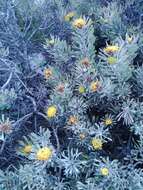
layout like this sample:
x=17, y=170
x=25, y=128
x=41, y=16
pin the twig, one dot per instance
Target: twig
x=23, y=84
x=43, y=115
x=35, y=110
x=33, y=102
x=7, y=82
x=22, y=119
x=2, y=146
x=57, y=139
x=54, y=131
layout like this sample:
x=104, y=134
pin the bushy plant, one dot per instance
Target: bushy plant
x=71, y=94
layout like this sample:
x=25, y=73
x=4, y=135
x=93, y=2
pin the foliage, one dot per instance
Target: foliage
x=71, y=94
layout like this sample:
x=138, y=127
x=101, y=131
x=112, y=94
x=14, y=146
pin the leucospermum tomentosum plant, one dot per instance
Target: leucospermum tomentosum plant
x=70, y=95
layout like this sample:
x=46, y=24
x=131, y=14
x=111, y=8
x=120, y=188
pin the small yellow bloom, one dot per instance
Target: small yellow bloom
x=129, y=39
x=44, y=154
x=5, y=127
x=51, y=111
x=97, y=143
x=47, y=73
x=79, y=23
x=81, y=89
x=108, y=121
x=82, y=136
x=112, y=60
x=85, y=62
x=51, y=42
x=111, y=49
x=94, y=86
x=27, y=149
x=104, y=171
x=60, y=88
x=72, y=120
x=48, y=42
x=69, y=16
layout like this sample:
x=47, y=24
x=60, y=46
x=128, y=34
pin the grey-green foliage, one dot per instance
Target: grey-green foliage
x=88, y=186
x=60, y=51
x=124, y=180
x=84, y=8
x=84, y=43
x=119, y=73
x=9, y=181
x=71, y=163
x=32, y=178
x=111, y=20
x=7, y=97
x=84, y=40
x=75, y=164
x=138, y=81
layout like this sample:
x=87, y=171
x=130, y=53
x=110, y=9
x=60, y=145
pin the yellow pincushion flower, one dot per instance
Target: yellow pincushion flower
x=108, y=121
x=60, y=88
x=79, y=23
x=48, y=42
x=82, y=136
x=72, y=120
x=112, y=60
x=44, y=154
x=69, y=16
x=27, y=149
x=51, y=111
x=111, y=49
x=96, y=143
x=85, y=62
x=104, y=171
x=47, y=73
x=130, y=39
x=81, y=89
x=94, y=86
x=51, y=42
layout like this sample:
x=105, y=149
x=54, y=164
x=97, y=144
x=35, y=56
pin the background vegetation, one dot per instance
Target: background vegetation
x=71, y=89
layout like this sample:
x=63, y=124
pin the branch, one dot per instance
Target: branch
x=7, y=82
x=54, y=130
x=23, y=84
x=22, y=119
x=33, y=102
x=57, y=139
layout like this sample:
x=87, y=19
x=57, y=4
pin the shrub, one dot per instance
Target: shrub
x=71, y=95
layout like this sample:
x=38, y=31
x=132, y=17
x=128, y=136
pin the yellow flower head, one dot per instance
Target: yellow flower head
x=108, y=121
x=79, y=23
x=130, y=39
x=27, y=149
x=5, y=128
x=82, y=136
x=97, y=143
x=44, y=154
x=72, y=120
x=47, y=73
x=60, y=88
x=81, y=89
x=85, y=62
x=94, y=86
x=5, y=125
x=111, y=49
x=48, y=42
x=51, y=111
x=51, y=42
x=104, y=171
x=112, y=60
x=69, y=16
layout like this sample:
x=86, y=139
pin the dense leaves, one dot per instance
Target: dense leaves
x=71, y=87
